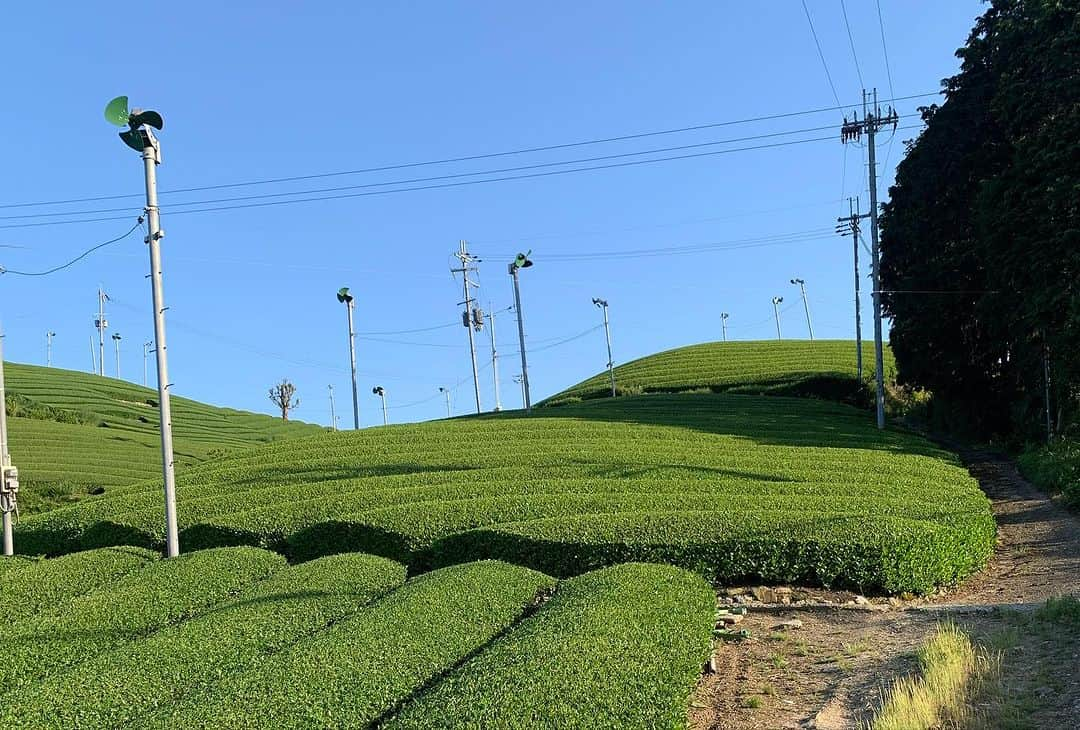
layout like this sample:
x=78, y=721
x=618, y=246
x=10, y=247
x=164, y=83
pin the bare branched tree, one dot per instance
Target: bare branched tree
x=282, y=396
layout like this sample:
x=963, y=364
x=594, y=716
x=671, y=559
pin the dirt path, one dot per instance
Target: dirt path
x=826, y=670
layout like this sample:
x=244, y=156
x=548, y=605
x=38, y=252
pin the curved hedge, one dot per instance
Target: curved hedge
x=428, y=494
x=781, y=367
x=618, y=648
x=164, y=592
x=129, y=684
x=361, y=668
x=48, y=585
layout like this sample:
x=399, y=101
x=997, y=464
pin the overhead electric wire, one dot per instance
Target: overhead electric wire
x=820, y=54
x=170, y=208
x=549, y=173
x=888, y=73
x=851, y=41
x=75, y=260
x=464, y=158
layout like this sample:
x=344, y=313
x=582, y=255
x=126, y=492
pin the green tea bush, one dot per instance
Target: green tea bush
x=360, y=669
x=50, y=584
x=890, y=554
x=164, y=592
x=131, y=683
x=821, y=368
x=618, y=648
x=409, y=492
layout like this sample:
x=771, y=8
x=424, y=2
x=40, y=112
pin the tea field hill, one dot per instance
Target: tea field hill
x=825, y=368
x=732, y=487
x=73, y=431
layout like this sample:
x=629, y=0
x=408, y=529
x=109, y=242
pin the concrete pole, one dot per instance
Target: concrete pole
x=723, y=324
x=463, y=254
x=385, y=420
x=806, y=307
x=145, y=353
x=333, y=412
x=446, y=392
x=116, y=343
x=858, y=303
x=101, y=331
x=610, y=361
x=879, y=357
x=521, y=339
x=352, y=363
x=153, y=240
x=776, y=313
x=48, y=348
x=5, y=459
x=494, y=358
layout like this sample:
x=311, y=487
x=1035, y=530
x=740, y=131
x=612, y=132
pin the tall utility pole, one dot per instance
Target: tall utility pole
x=101, y=323
x=446, y=392
x=346, y=298
x=145, y=353
x=9, y=475
x=472, y=317
x=850, y=224
x=381, y=392
x=116, y=343
x=806, y=306
x=494, y=358
x=872, y=122
x=333, y=411
x=140, y=137
x=48, y=347
x=521, y=262
x=723, y=324
x=602, y=303
x=776, y=302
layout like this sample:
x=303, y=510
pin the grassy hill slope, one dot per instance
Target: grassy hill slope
x=733, y=487
x=786, y=367
x=87, y=431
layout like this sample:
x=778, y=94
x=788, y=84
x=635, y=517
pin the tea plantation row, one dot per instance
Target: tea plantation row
x=735, y=488
x=233, y=637
x=71, y=431
x=784, y=366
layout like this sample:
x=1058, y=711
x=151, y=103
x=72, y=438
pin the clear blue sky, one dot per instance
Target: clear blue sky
x=264, y=90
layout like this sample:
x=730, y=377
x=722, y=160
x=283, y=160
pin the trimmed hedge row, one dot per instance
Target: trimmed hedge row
x=48, y=585
x=399, y=492
x=134, y=682
x=360, y=669
x=759, y=366
x=618, y=648
x=891, y=554
x=165, y=592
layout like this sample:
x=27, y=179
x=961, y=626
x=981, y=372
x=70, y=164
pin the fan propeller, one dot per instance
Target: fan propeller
x=135, y=137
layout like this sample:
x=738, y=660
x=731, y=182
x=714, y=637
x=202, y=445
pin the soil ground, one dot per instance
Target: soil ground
x=828, y=669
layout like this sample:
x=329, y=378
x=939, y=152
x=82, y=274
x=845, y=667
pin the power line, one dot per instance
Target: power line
x=820, y=54
x=775, y=239
x=851, y=41
x=77, y=259
x=466, y=158
x=888, y=73
x=452, y=176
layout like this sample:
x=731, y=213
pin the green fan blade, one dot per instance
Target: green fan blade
x=116, y=112
x=343, y=294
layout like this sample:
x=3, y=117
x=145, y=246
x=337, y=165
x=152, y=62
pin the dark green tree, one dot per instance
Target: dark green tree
x=981, y=235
